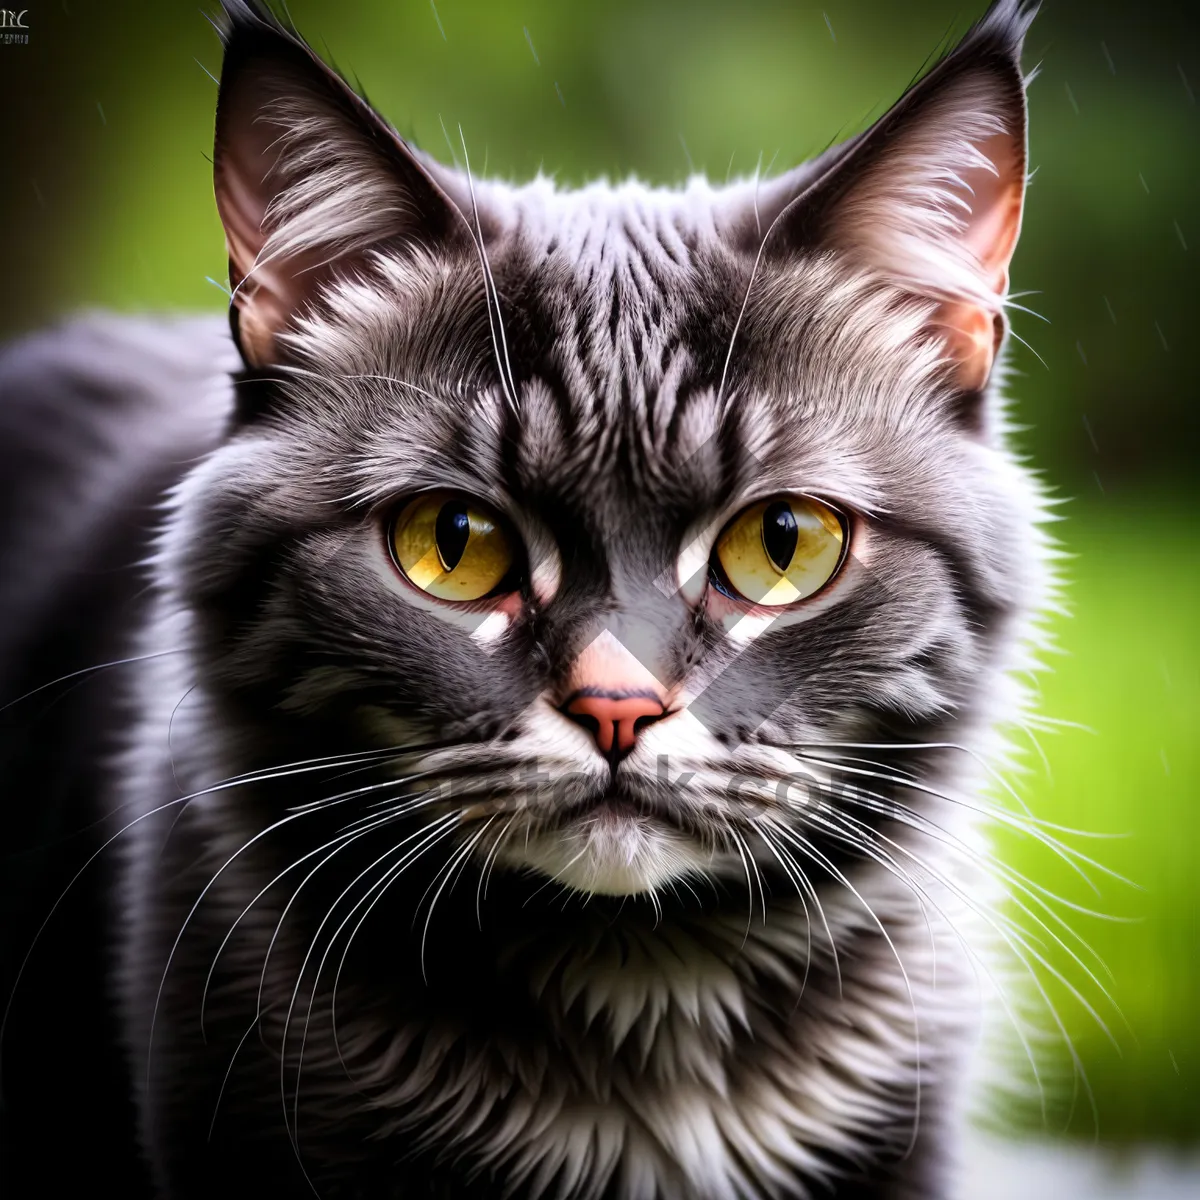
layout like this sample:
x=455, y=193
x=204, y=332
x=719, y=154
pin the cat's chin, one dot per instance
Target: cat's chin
x=610, y=852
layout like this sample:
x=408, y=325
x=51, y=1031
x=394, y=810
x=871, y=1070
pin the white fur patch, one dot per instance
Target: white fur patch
x=611, y=854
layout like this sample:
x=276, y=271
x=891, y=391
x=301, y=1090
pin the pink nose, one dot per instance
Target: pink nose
x=615, y=718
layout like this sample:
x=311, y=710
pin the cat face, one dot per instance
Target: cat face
x=646, y=506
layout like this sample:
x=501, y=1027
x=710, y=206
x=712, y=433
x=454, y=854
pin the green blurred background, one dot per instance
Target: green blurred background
x=107, y=201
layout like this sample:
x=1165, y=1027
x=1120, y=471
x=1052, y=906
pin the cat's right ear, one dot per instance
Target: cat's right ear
x=930, y=197
x=308, y=180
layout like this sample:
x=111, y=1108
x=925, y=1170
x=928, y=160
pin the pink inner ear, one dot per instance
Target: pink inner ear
x=246, y=181
x=269, y=293
x=243, y=196
x=972, y=334
x=995, y=219
x=259, y=297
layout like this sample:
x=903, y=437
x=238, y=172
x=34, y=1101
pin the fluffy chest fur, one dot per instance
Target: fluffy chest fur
x=678, y=1061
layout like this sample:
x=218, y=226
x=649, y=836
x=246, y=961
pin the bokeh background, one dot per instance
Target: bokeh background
x=107, y=201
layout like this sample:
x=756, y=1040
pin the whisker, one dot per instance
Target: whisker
x=656, y=904
x=463, y=853
x=740, y=845
x=1020, y=944
x=489, y=286
x=381, y=884
x=805, y=847
x=229, y=1071
x=383, y=819
x=753, y=275
x=299, y=767
x=63, y=895
x=488, y=789
x=1012, y=899
x=896, y=810
x=889, y=864
x=171, y=751
x=980, y=761
x=799, y=747
x=104, y=666
x=994, y=866
x=342, y=837
x=1067, y=853
x=796, y=875
x=400, y=382
x=485, y=871
x=682, y=882
x=192, y=912
x=441, y=827
x=556, y=876
x=827, y=824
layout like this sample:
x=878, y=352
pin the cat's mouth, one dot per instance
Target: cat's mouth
x=611, y=843
x=612, y=805
x=615, y=805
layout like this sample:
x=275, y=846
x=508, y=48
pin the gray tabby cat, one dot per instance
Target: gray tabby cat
x=549, y=756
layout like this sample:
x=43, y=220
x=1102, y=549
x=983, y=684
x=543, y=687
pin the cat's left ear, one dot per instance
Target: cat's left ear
x=309, y=180
x=931, y=196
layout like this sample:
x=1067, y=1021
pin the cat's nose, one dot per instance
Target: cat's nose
x=613, y=694
x=614, y=718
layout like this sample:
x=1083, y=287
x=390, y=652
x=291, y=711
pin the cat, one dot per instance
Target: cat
x=530, y=685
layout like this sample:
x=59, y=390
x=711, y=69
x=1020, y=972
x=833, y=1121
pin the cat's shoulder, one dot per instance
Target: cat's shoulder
x=99, y=414
x=98, y=399
x=98, y=367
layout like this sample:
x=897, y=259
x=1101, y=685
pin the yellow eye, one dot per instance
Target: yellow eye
x=451, y=546
x=779, y=551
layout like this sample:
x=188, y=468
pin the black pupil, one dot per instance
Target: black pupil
x=779, y=533
x=452, y=529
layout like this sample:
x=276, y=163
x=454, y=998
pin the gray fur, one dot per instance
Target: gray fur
x=789, y=1003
